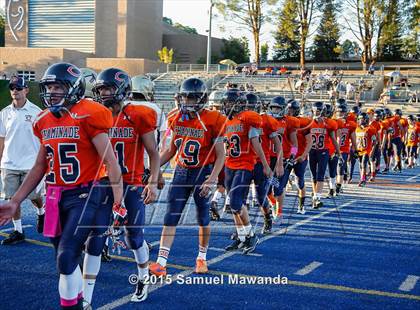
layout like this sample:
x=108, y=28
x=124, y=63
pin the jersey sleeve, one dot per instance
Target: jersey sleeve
x=99, y=120
x=293, y=123
x=331, y=125
x=219, y=128
x=145, y=119
x=251, y=119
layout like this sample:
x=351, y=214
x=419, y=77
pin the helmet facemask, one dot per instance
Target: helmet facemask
x=277, y=111
x=190, y=102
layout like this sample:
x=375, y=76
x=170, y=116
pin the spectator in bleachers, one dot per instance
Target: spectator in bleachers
x=268, y=70
x=371, y=69
x=241, y=88
x=283, y=70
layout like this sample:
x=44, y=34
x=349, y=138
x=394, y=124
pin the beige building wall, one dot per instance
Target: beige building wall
x=133, y=66
x=16, y=28
x=189, y=48
x=37, y=59
x=106, y=21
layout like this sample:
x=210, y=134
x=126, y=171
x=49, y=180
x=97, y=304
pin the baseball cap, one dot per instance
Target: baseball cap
x=17, y=82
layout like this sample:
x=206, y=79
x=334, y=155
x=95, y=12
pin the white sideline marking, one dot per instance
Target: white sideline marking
x=409, y=283
x=308, y=269
x=413, y=177
x=223, y=250
x=12, y=228
x=126, y=299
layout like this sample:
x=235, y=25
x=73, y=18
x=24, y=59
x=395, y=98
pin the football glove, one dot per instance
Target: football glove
x=120, y=214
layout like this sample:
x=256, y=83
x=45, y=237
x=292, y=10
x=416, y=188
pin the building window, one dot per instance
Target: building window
x=27, y=75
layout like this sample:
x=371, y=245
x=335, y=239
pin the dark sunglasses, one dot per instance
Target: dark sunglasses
x=16, y=87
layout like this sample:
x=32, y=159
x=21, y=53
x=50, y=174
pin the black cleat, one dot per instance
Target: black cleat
x=331, y=193
x=14, y=238
x=250, y=244
x=268, y=226
x=338, y=189
x=40, y=223
x=386, y=170
x=235, y=245
x=150, y=246
x=141, y=292
x=105, y=257
x=214, y=214
x=362, y=183
x=316, y=204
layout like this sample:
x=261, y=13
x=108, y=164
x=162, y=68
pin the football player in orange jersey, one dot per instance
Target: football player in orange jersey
x=365, y=144
x=74, y=147
x=387, y=128
x=397, y=144
x=197, y=144
x=375, y=122
x=352, y=116
x=269, y=137
x=321, y=127
x=333, y=158
x=304, y=146
x=345, y=135
x=413, y=140
x=242, y=133
x=132, y=132
x=288, y=126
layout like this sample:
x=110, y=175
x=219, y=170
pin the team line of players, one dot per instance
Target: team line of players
x=95, y=175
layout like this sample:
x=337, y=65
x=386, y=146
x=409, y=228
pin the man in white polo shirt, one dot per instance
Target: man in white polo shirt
x=18, y=150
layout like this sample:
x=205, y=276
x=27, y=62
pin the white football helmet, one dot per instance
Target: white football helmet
x=143, y=85
x=90, y=80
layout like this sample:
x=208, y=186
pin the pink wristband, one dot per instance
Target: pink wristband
x=294, y=150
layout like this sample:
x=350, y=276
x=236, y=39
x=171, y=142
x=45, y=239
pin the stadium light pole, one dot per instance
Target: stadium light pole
x=209, y=36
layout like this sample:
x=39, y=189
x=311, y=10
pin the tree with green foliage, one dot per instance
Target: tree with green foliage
x=306, y=9
x=187, y=29
x=2, y=27
x=286, y=46
x=327, y=38
x=249, y=13
x=390, y=41
x=236, y=50
x=411, y=41
x=264, y=52
x=167, y=20
x=350, y=49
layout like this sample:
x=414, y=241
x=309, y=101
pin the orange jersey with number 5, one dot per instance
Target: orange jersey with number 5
x=71, y=156
x=194, y=138
x=125, y=135
x=238, y=133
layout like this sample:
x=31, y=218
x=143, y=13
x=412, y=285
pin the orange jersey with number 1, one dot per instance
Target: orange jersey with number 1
x=194, y=138
x=125, y=135
x=240, y=154
x=71, y=156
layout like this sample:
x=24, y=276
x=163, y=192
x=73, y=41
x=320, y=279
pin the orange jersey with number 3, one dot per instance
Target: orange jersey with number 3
x=125, y=135
x=344, y=135
x=238, y=130
x=71, y=155
x=194, y=138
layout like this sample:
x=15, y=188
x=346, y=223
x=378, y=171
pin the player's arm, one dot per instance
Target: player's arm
x=149, y=142
x=308, y=146
x=334, y=141
x=104, y=149
x=219, y=149
x=1, y=147
x=256, y=144
x=169, y=152
x=32, y=179
x=279, y=169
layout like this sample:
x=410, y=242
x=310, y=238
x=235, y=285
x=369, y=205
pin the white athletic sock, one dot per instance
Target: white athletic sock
x=163, y=256
x=331, y=183
x=18, y=225
x=91, y=266
x=202, y=252
x=40, y=211
x=142, y=256
x=241, y=233
x=68, y=287
x=216, y=196
x=249, y=230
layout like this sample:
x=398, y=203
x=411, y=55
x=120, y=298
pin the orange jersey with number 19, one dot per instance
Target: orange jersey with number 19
x=71, y=156
x=125, y=135
x=238, y=133
x=194, y=138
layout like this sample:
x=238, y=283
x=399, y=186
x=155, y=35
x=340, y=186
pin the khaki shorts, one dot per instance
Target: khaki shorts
x=12, y=179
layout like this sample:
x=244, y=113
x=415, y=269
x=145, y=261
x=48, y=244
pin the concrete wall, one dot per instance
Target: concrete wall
x=133, y=66
x=16, y=28
x=36, y=59
x=106, y=20
x=189, y=48
x=144, y=28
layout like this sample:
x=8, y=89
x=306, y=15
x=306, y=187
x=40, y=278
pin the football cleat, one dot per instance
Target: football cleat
x=386, y=170
x=214, y=214
x=316, y=204
x=268, y=226
x=40, y=223
x=141, y=292
x=235, y=245
x=301, y=210
x=157, y=269
x=201, y=266
x=105, y=257
x=338, y=189
x=150, y=246
x=362, y=183
x=250, y=244
x=331, y=194
x=14, y=238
